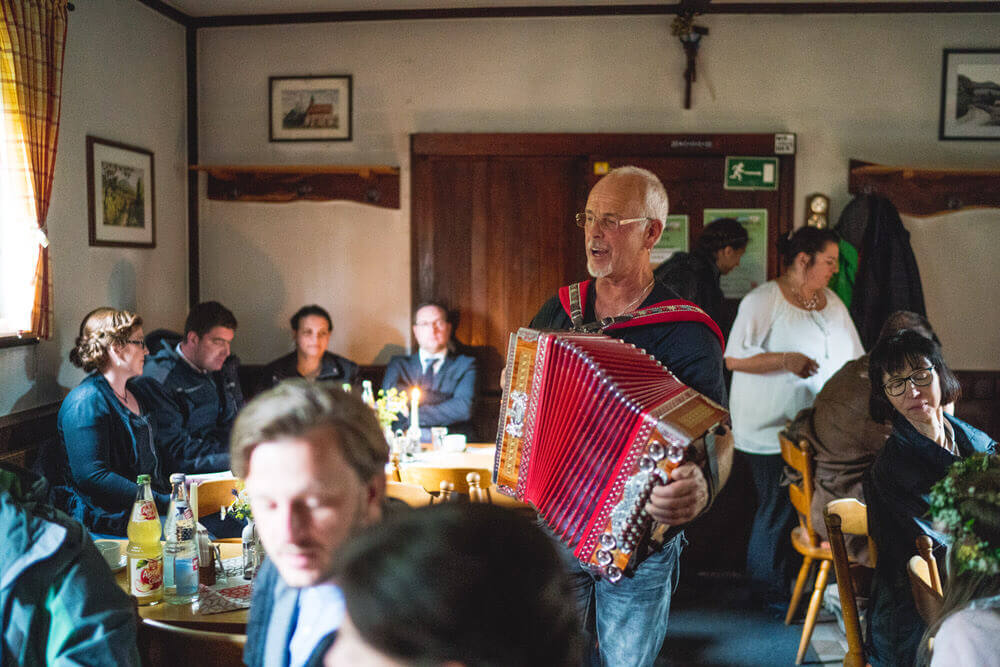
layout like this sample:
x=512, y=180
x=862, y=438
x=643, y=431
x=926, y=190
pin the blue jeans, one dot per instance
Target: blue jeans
x=630, y=617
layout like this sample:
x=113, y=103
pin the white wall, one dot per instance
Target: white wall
x=850, y=86
x=123, y=80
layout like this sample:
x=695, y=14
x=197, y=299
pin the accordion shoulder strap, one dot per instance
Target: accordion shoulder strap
x=574, y=298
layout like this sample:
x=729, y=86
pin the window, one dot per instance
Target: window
x=19, y=234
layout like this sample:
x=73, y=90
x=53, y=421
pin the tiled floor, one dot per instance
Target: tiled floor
x=829, y=642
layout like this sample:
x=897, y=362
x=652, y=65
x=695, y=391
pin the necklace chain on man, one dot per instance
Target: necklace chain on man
x=638, y=300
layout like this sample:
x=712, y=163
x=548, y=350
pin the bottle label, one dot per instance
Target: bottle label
x=186, y=575
x=146, y=510
x=145, y=576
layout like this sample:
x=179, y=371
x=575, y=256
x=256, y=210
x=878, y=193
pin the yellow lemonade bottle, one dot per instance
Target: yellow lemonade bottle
x=145, y=555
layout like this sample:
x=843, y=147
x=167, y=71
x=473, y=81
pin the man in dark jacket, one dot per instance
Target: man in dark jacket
x=59, y=603
x=447, y=380
x=695, y=276
x=200, y=392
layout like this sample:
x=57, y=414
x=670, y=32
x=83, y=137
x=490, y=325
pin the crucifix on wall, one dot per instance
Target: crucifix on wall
x=690, y=35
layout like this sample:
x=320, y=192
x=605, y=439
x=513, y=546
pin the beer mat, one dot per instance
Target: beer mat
x=211, y=601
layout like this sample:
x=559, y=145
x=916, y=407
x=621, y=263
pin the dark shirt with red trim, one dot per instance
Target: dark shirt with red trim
x=690, y=350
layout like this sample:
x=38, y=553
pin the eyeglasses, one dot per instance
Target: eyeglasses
x=140, y=342
x=607, y=223
x=918, y=378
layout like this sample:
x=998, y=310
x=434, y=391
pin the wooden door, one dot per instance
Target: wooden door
x=493, y=238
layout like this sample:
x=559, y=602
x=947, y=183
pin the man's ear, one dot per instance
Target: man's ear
x=374, y=497
x=190, y=338
x=652, y=234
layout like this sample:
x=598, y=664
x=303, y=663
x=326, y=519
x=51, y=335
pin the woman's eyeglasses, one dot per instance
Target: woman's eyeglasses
x=918, y=378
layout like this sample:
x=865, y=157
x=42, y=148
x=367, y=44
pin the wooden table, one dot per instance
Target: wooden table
x=183, y=614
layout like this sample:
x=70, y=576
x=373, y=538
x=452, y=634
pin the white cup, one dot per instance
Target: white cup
x=437, y=437
x=111, y=552
x=454, y=442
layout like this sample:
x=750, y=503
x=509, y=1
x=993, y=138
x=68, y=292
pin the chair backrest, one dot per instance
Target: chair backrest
x=925, y=549
x=431, y=478
x=211, y=495
x=847, y=515
x=413, y=495
x=799, y=458
x=925, y=582
x=169, y=645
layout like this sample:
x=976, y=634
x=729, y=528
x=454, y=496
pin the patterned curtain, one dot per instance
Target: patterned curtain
x=33, y=40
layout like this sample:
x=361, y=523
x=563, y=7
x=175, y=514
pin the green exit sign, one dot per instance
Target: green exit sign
x=751, y=173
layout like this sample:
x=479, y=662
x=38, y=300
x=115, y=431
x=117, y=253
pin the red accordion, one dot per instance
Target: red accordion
x=588, y=426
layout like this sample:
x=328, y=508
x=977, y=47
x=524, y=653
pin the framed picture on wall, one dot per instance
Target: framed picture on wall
x=310, y=108
x=970, y=95
x=120, y=194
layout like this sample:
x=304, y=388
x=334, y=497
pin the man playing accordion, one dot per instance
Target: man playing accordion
x=627, y=620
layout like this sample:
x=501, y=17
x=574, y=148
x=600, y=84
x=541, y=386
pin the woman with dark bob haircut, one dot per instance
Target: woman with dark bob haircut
x=458, y=585
x=910, y=384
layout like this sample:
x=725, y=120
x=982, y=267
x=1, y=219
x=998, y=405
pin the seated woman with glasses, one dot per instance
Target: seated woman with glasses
x=910, y=384
x=104, y=426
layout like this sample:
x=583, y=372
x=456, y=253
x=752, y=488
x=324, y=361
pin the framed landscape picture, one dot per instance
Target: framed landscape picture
x=310, y=108
x=120, y=194
x=970, y=95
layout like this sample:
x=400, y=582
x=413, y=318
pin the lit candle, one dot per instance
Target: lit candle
x=414, y=431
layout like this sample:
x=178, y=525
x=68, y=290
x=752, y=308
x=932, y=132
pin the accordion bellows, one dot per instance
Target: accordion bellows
x=588, y=426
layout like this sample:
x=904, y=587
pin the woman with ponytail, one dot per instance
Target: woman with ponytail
x=790, y=335
x=106, y=435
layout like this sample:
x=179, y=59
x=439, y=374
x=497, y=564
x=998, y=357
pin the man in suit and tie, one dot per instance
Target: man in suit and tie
x=447, y=380
x=313, y=457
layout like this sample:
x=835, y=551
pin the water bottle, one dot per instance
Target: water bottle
x=181, y=550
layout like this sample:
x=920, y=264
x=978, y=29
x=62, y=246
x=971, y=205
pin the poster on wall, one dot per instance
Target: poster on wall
x=752, y=270
x=120, y=194
x=970, y=95
x=310, y=108
x=674, y=239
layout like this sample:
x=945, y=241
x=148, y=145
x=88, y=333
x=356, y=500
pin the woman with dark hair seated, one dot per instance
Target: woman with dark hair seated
x=458, y=585
x=966, y=505
x=105, y=427
x=311, y=329
x=910, y=385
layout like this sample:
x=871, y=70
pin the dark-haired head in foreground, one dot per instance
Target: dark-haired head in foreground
x=455, y=584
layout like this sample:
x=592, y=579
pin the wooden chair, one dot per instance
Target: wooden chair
x=455, y=480
x=212, y=495
x=804, y=539
x=850, y=516
x=169, y=645
x=413, y=495
x=925, y=581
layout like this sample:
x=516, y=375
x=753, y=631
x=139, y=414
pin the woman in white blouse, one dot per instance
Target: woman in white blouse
x=789, y=337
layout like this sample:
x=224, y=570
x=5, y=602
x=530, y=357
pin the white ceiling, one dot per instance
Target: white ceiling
x=253, y=7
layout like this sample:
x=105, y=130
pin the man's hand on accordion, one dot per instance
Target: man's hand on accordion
x=682, y=499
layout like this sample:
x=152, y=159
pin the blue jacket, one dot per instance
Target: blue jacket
x=897, y=490
x=448, y=402
x=59, y=603
x=194, y=411
x=102, y=453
